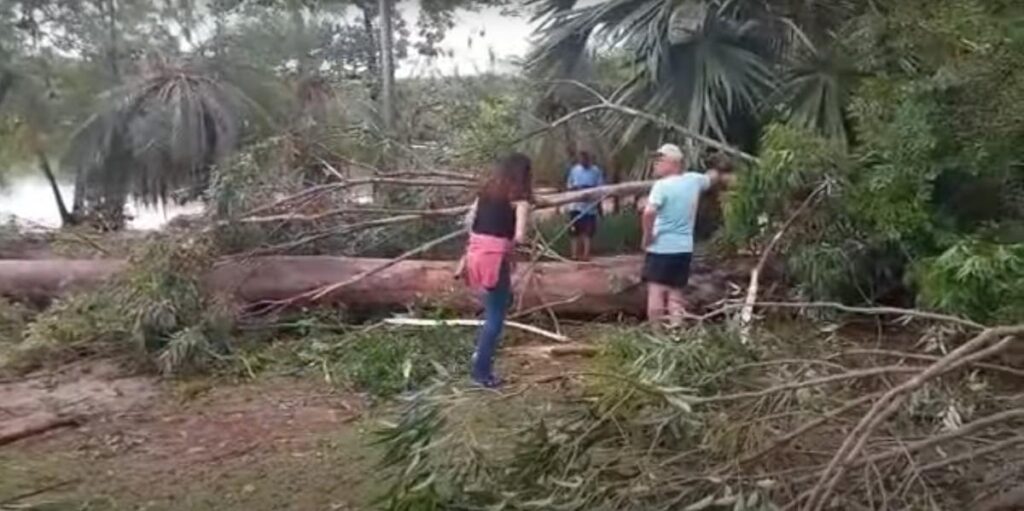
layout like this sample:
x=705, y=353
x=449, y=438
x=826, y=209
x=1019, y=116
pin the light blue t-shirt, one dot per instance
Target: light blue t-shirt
x=581, y=177
x=676, y=198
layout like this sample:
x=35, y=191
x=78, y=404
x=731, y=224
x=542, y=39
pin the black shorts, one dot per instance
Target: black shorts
x=582, y=225
x=672, y=270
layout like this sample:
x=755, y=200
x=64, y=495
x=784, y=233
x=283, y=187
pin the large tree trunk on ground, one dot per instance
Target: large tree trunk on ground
x=606, y=286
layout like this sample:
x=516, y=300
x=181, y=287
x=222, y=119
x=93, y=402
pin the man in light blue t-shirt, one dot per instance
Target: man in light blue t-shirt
x=668, y=224
x=583, y=215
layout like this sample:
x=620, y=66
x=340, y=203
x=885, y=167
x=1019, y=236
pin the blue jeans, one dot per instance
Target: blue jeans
x=496, y=303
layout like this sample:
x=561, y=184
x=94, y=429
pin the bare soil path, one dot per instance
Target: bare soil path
x=206, y=444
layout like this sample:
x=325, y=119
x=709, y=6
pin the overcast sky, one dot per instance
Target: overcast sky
x=475, y=36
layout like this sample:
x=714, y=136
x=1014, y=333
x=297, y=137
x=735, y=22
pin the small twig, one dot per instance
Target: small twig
x=931, y=358
x=962, y=431
x=851, y=375
x=475, y=322
x=874, y=311
x=973, y=454
x=546, y=306
x=38, y=491
x=38, y=429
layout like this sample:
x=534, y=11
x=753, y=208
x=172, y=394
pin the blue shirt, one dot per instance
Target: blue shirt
x=676, y=198
x=584, y=177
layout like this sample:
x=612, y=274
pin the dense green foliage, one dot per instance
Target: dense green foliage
x=923, y=193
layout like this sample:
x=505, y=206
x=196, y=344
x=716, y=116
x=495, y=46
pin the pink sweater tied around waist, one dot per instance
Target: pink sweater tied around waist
x=484, y=257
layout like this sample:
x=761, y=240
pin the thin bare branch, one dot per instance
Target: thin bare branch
x=605, y=104
x=747, y=312
x=870, y=311
x=931, y=358
x=851, y=375
x=889, y=404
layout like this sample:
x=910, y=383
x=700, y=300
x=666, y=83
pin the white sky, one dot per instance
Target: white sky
x=475, y=36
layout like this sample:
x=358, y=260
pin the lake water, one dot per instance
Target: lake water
x=28, y=199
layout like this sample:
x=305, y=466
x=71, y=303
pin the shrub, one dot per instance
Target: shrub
x=155, y=309
x=978, y=279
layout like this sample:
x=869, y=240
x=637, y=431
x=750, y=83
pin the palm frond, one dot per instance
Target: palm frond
x=815, y=91
x=158, y=134
x=705, y=70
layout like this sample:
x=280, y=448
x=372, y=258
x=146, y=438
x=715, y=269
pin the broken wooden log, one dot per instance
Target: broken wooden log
x=604, y=286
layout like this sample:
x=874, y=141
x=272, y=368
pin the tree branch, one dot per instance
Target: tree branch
x=872, y=311
x=747, y=312
x=605, y=104
x=890, y=402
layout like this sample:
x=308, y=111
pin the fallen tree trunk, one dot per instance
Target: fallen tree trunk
x=605, y=286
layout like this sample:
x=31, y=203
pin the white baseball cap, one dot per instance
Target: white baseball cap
x=670, y=151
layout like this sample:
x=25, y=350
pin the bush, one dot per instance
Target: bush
x=978, y=279
x=14, y=317
x=155, y=309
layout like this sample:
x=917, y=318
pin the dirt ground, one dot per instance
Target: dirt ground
x=142, y=443
x=204, y=444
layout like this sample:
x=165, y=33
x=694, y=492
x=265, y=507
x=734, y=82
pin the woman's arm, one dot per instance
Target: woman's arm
x=522, y=218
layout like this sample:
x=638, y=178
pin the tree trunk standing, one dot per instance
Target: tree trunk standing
x=80, y=203
x=387, y=68
x=66, y=218
x=112, y=51
x=297, y=40
x=6, y=84
x=372, y=47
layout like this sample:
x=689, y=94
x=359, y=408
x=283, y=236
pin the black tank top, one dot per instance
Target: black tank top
x=495, y=218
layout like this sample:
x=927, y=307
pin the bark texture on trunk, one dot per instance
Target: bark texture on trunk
x=605, y=286
x=387, y=67
x=66, y=218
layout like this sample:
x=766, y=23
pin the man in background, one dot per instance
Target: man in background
x=583, y=215
x=668, y=224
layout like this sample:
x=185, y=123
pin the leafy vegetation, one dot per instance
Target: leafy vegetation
x=886, y=138
x=694, y=422
x=155, y=311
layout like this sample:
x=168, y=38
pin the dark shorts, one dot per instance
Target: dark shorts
x=672, y=270
x=582, y=225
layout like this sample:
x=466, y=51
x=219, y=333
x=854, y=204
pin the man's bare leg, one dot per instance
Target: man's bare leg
x=585, y=248
x=676, y=307
x=657, y=304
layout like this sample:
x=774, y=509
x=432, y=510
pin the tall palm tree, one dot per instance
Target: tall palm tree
x=711, y=65
x=156, y=135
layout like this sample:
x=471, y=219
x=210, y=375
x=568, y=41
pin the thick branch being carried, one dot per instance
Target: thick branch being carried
x=540, y=202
